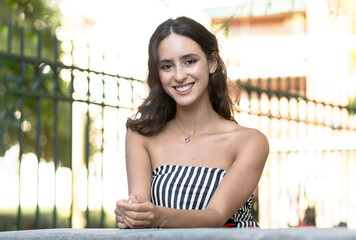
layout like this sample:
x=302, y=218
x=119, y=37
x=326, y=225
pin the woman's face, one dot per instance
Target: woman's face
x=184, y=69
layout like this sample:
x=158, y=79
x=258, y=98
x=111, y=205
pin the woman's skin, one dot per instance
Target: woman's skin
x=216, y=142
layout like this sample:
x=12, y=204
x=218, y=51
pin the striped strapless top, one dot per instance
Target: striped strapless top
x=191, y=188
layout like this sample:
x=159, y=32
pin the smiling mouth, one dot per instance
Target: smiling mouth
x=184, y=88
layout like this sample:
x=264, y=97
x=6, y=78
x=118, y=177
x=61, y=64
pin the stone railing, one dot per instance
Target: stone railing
x=307, y=233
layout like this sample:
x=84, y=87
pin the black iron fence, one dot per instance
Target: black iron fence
x=62, y=130
x=46, y=109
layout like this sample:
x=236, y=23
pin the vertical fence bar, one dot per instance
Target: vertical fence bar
x=20, y=133
x=38, y=118
x=102, y=215
x=3, y=89
x=87, y=152
x=70, y=91
x=55, y=129
x=87, y=143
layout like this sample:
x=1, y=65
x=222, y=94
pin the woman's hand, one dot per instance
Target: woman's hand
x=136, y=213
x=119, y=214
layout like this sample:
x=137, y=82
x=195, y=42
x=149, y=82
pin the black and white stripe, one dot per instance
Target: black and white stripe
x=184, y=187
x=191, y=188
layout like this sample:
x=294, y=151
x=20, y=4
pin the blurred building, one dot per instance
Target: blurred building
x=298, y=54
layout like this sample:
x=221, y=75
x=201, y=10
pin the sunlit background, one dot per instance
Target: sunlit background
x=312, y=164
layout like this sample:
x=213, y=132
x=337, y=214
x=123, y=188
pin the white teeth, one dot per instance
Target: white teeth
x=185, y=88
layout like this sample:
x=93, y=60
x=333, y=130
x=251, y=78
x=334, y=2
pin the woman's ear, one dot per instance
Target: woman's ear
x=213, y=62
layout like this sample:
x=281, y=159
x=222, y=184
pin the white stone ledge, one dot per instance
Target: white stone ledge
x=183, y=234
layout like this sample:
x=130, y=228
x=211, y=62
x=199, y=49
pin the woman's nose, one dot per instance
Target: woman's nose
x=180, y=74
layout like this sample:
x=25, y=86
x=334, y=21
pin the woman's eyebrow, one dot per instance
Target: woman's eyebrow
x=164, y=61
x=189, y=55
x=185, y=56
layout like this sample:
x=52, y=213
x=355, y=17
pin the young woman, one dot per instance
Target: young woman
x=189, y=164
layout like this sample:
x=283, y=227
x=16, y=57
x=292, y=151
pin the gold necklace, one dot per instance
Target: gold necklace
x=188, y=139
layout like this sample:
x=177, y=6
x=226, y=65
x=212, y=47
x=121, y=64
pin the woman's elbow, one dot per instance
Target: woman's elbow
x=216, y=218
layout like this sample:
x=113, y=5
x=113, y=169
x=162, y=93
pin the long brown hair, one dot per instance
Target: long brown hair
x=159, y=107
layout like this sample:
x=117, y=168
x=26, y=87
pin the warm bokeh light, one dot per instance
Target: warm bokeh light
x=310, y=164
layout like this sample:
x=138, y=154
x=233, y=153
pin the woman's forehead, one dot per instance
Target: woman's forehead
x=176, y=45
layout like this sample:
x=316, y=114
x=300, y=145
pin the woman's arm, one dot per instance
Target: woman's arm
x=244, y=174
x=233, y=191
x=138, y=165
x=138, y=168
x=143, y=214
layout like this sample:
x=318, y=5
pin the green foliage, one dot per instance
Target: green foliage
x=223, y=27
x=33, y=24
x=32, y=14
x=351, y=107
x=37, y=18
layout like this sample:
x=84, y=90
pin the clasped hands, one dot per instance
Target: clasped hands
x=136, y=212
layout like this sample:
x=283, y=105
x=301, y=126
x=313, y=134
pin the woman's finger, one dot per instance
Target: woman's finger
x=120, y=202
x=122, y=225
x=134, y=223
x=117, y=211
x=148, y=215
x=119, y=218
x=136, y=207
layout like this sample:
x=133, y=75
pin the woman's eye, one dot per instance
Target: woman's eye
x=189, y=61
x=166, y=66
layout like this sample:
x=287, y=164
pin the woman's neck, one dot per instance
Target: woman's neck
x=193, y=120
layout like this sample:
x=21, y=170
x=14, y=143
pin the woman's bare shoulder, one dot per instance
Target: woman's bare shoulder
x=244, y=136
x=250, y=132
x=252, y=141
x=145, y=140
x=235, y=128
x=135, y=138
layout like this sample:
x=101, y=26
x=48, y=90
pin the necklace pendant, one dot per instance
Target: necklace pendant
x=187, y=139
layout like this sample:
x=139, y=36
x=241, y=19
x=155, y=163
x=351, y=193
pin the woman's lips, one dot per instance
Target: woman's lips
x=184, y=88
